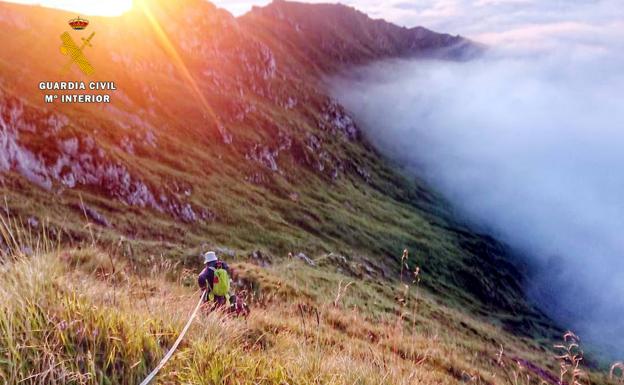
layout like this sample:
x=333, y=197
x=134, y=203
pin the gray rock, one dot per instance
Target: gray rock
x=94, y=215
x=32, y=222
x=369, y=270
x=225, y=251
x=338, y=257
x=261, y=259
x=306, y=259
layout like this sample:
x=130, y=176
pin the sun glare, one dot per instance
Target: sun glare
x=85, y=7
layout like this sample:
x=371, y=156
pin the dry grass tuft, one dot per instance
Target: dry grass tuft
x=18, y=240
x=570, y=356
x=617, y=372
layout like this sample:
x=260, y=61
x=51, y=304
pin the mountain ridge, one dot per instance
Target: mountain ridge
x=235, y=142
x=334, y=35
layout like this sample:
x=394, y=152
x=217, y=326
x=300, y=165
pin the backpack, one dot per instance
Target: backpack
x=220, y=281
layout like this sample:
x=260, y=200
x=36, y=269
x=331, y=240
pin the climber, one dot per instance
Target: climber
x=214, y=280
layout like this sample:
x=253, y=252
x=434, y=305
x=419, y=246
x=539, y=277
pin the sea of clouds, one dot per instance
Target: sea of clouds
x=527, y=140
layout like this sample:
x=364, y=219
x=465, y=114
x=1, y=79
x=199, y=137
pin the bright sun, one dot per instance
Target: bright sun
x=85, y=7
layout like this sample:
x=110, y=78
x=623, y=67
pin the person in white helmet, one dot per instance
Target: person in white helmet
x=208, y=279
x=214, y=280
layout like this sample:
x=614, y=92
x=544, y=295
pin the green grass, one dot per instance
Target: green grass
x=86, y=315
x=367, y=219
x=345, y=217
x=107, y=276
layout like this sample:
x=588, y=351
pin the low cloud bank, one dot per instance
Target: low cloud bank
x=528, y=141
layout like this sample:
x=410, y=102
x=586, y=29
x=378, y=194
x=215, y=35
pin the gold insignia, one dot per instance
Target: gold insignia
x=75, y=53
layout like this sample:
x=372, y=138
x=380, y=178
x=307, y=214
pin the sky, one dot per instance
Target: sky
x=526, y=141
x=85, y=7
x=488, y=21
x=478, y=19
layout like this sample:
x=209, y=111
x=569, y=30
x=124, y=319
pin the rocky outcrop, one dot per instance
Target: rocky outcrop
x=332, y=36
x=73, y=162
x=238, y=83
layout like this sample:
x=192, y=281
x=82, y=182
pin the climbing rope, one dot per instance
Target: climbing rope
x=167, y=356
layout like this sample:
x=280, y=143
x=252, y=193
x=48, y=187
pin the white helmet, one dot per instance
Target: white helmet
x=210, y=256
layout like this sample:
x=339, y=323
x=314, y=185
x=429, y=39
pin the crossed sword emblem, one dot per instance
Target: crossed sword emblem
x=71, y=49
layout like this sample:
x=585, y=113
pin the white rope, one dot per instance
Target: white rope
x=167, y=356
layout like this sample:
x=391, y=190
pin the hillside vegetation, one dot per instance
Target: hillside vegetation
x=87, y=316
x=222, y=135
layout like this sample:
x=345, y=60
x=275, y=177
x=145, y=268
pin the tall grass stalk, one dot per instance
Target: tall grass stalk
x=617, y=372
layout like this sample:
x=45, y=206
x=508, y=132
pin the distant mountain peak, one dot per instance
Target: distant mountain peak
x=334, y=35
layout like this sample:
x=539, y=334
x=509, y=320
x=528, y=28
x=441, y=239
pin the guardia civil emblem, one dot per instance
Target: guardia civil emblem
x=75, y=52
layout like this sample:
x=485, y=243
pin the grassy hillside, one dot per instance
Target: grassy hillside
x=86, y=316
x=221, y=135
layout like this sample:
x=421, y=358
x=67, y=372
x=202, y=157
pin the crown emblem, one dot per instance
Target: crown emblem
x=78, y=23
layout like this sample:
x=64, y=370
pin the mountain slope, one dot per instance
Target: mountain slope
x=328, y=37
x=221, y=133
